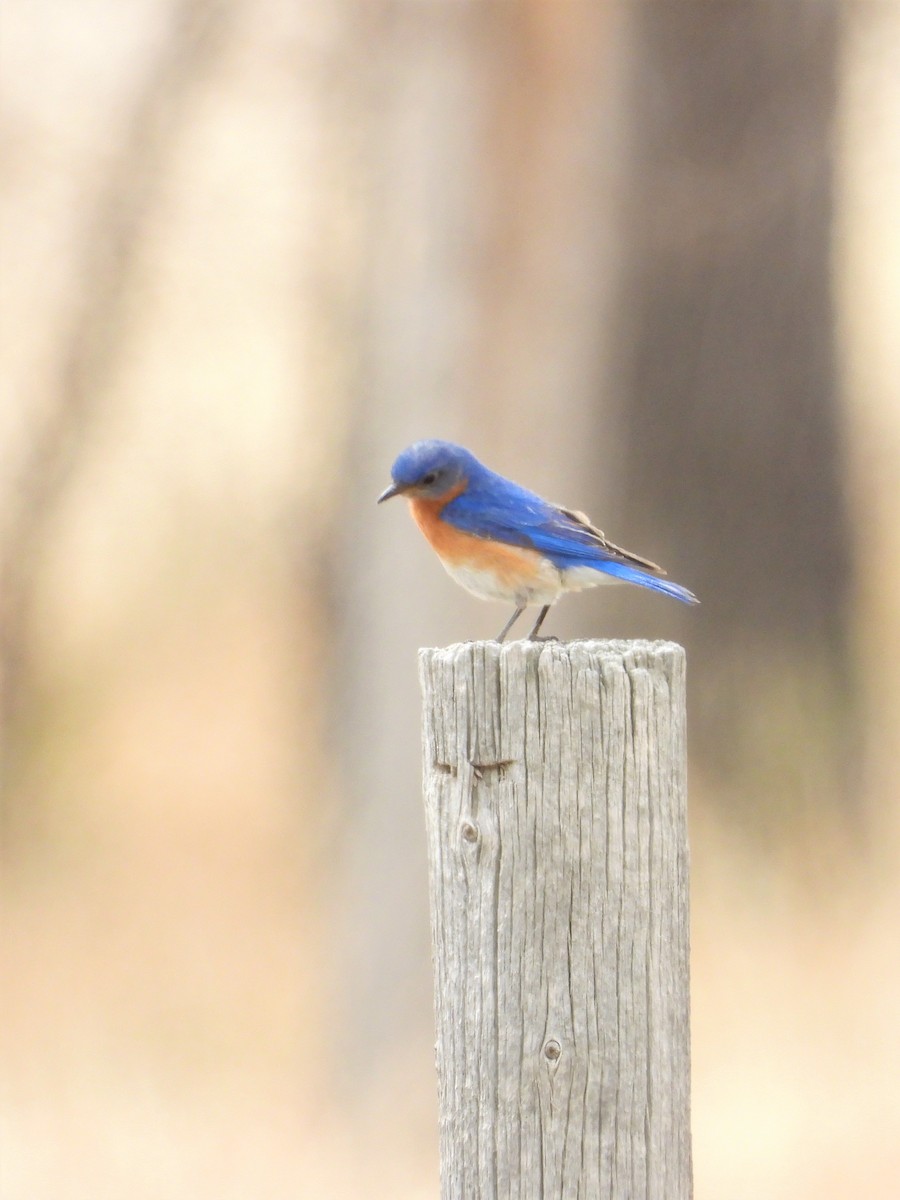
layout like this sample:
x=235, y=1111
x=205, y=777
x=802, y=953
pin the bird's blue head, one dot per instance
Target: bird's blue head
x=430, y=470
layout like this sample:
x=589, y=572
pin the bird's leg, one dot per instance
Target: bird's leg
x=509, y=624
x=533, y=637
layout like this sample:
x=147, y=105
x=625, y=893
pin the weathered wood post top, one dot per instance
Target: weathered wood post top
x=555, y=798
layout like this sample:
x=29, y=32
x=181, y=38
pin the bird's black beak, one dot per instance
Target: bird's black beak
x=394, y=490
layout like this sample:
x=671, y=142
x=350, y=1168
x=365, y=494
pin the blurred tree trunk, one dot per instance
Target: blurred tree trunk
x=92, y=343
x=488, y=208
x=867, y=271
x=730, y=388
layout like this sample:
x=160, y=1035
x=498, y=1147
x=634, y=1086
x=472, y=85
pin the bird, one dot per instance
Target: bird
x=503, y=542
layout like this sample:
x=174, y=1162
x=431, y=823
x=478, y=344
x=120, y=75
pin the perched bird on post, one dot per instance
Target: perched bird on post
x=502, y=542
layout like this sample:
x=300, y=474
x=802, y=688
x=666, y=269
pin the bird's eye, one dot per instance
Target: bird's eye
x=429, y=479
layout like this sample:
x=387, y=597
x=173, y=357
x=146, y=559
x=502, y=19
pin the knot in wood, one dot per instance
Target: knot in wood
x=552, y=1050
x=469, y=832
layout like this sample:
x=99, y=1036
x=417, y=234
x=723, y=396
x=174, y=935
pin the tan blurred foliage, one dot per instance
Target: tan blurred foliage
x=250, y=251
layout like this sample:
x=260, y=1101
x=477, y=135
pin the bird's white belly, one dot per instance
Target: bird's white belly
x=543, y=587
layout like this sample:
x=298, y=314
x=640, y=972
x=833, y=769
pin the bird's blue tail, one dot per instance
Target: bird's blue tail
x=633, y=575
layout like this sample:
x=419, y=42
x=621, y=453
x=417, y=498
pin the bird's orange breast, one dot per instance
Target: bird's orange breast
x=512, y=566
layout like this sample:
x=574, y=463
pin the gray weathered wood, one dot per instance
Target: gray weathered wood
x=556, y=812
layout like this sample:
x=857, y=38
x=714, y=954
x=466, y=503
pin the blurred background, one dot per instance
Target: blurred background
x=642, y=256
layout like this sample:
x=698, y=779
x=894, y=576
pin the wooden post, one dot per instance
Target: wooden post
x=556, y=812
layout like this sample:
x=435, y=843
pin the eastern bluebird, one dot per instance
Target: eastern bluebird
x=502, y=542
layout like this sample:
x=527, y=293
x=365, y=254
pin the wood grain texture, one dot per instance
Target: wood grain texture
x=555, y=797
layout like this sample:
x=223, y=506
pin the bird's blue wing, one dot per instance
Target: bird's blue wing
x=505, y=512
x=494, y=507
